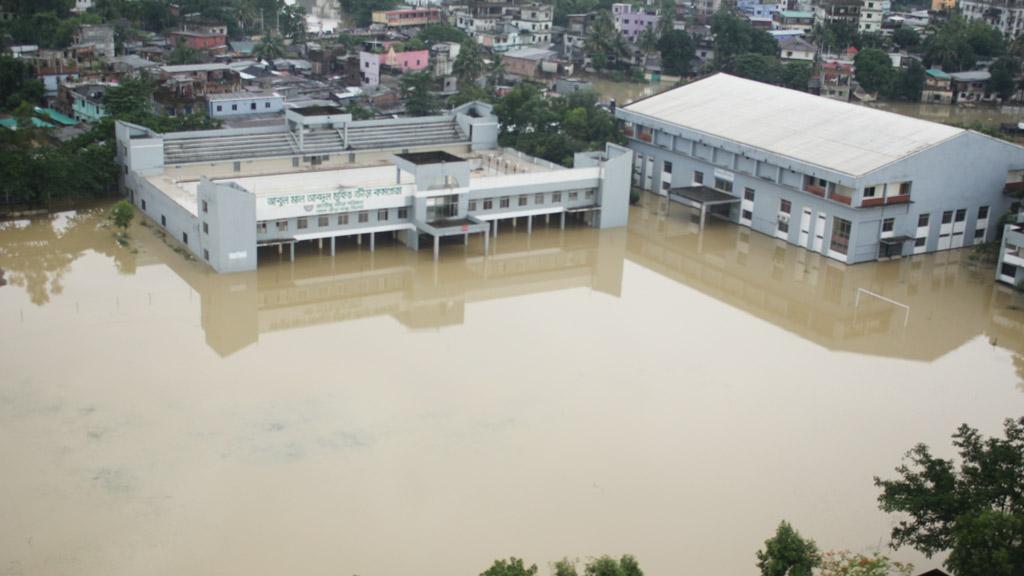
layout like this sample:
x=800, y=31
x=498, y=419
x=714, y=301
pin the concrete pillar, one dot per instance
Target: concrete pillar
x=702, y=208
x=563, y=220
x=280, y=248
x=292, y=256
x=495, y=228
x=547, y=219
x=437, y=247
x=333, y=238
x=465, y=239
x=487, y=242
x=320, y=244
x=373, y=241
x=359, y=239
x=529, y=225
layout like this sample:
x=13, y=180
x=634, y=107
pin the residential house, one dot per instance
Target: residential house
x=937, y=87
x=871, y=16
x=836, y=79
x=795, y=49
x=533, y=63
x=972, y=87
x=87, y=101
x=761, y=8
x=372, y=64
x=407, y=17
x=794, y=20
x=631, y=20
x=1007, y=16
x=831, y=11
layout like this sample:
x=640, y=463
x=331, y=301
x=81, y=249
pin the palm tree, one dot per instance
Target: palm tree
x=605, y=44
x=470, y=63
x=269, y=49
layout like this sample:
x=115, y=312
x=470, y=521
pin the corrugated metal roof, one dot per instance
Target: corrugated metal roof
x=843, y=137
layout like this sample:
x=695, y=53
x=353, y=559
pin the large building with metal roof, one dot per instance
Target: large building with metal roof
x=847, y=181
x=320, y=176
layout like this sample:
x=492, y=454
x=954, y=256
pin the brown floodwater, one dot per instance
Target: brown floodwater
x=650, y=390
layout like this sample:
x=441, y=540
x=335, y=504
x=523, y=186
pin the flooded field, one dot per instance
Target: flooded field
x=648, y=390
x=964, y=115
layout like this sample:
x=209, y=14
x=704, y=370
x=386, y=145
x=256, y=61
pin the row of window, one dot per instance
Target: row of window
x=234, y=107
x=325, y=221
x=506, y=201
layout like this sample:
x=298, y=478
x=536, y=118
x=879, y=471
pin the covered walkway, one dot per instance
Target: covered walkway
x=701, y=198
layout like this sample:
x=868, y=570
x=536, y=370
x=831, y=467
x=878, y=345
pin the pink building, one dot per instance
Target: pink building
x=370, y=64
x=632, y=20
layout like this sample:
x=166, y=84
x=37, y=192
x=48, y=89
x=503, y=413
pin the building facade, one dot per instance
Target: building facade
x=1007, y=16
x=632, y=20
x=407, y=18
x=244, y=104
x=321, y=176
x=1010, y=269
x=852, y=183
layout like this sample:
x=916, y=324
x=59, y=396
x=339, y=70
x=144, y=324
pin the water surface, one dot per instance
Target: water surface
x=649, y=390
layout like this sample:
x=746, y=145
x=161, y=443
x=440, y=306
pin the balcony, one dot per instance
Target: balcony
x=815, y=189
x=868, y=202
x=898, y=199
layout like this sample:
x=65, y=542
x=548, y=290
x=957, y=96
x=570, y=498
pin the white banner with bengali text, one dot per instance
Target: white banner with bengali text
x=282, y=206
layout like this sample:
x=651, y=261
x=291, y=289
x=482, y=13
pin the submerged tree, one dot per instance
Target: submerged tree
x=121, y=214
x=974, y=510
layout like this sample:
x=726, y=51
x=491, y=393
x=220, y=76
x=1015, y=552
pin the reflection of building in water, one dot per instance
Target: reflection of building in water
x=318, y=289
x=918, y=309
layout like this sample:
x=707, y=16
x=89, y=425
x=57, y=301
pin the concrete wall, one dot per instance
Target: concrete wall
x=245, y=106
x=613, y=194
x=227, y=217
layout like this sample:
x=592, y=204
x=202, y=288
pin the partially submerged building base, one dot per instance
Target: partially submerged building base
x=322, y=176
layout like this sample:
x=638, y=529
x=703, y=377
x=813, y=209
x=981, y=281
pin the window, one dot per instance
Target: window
x=869, y=192
x=922, y=221
x=364, y=217
x=295, y=162
x=184, y=238
x=538, y=199
x=488, y=204
x=783, y=226
x=1008, y=270
x=282, y=225
x=220, y=108
x=840, y=235
x=234, y=107
x=522, y=200
x=342, y=219
x=382, y=215
x=163, y=221
x=947, y=216
x=723, y=184
x=301, y=223
x=266, y=104
x=261, y=227
x=322, y=222
x=206, y=207
x=748, y=215
x=904, y=188
x=237, y=166
x=961, y=215
x=698, y=177
x=982, y=212
x=888, y=224
x=252, y=106
x=918, y=242
x=748, y=194
x=573, y=196
x=556, y=196
x=206, y=228
x=472, y=206
x=504, y=202
x=785, y=206
x=979, y=234
x=403, y=213
x=665, y=185
x=667, y=168
x=589, y=194
x=206, y=255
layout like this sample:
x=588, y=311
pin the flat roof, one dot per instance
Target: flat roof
x=318, y=110
x=703, y=195
x=835, y=135
x=430, y=157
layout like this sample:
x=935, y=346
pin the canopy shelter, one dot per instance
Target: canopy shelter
x=892, y=246
x=701, y=198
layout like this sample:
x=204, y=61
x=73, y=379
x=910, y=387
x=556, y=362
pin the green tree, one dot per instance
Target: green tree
x=360, y=12
x=605, y=45
x=677, y=51
x=757, y=67
x=358, y=111
x=735, y=36
x=1003, y=71
x=874, y=70
x=835, y=36
x=797, y=75
x=511, y=567
x=415, y=89
x=469, y=64
x=906, y=37
x=270, y=48
x=846, y=563
x=974, y=511
x=435, y=33
x=182, y=54
x=122, y=213
x=788, y=554
x=130, y=100
x=666, y=17
x=647, y=41
x=909, y=82
x=608, y=566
